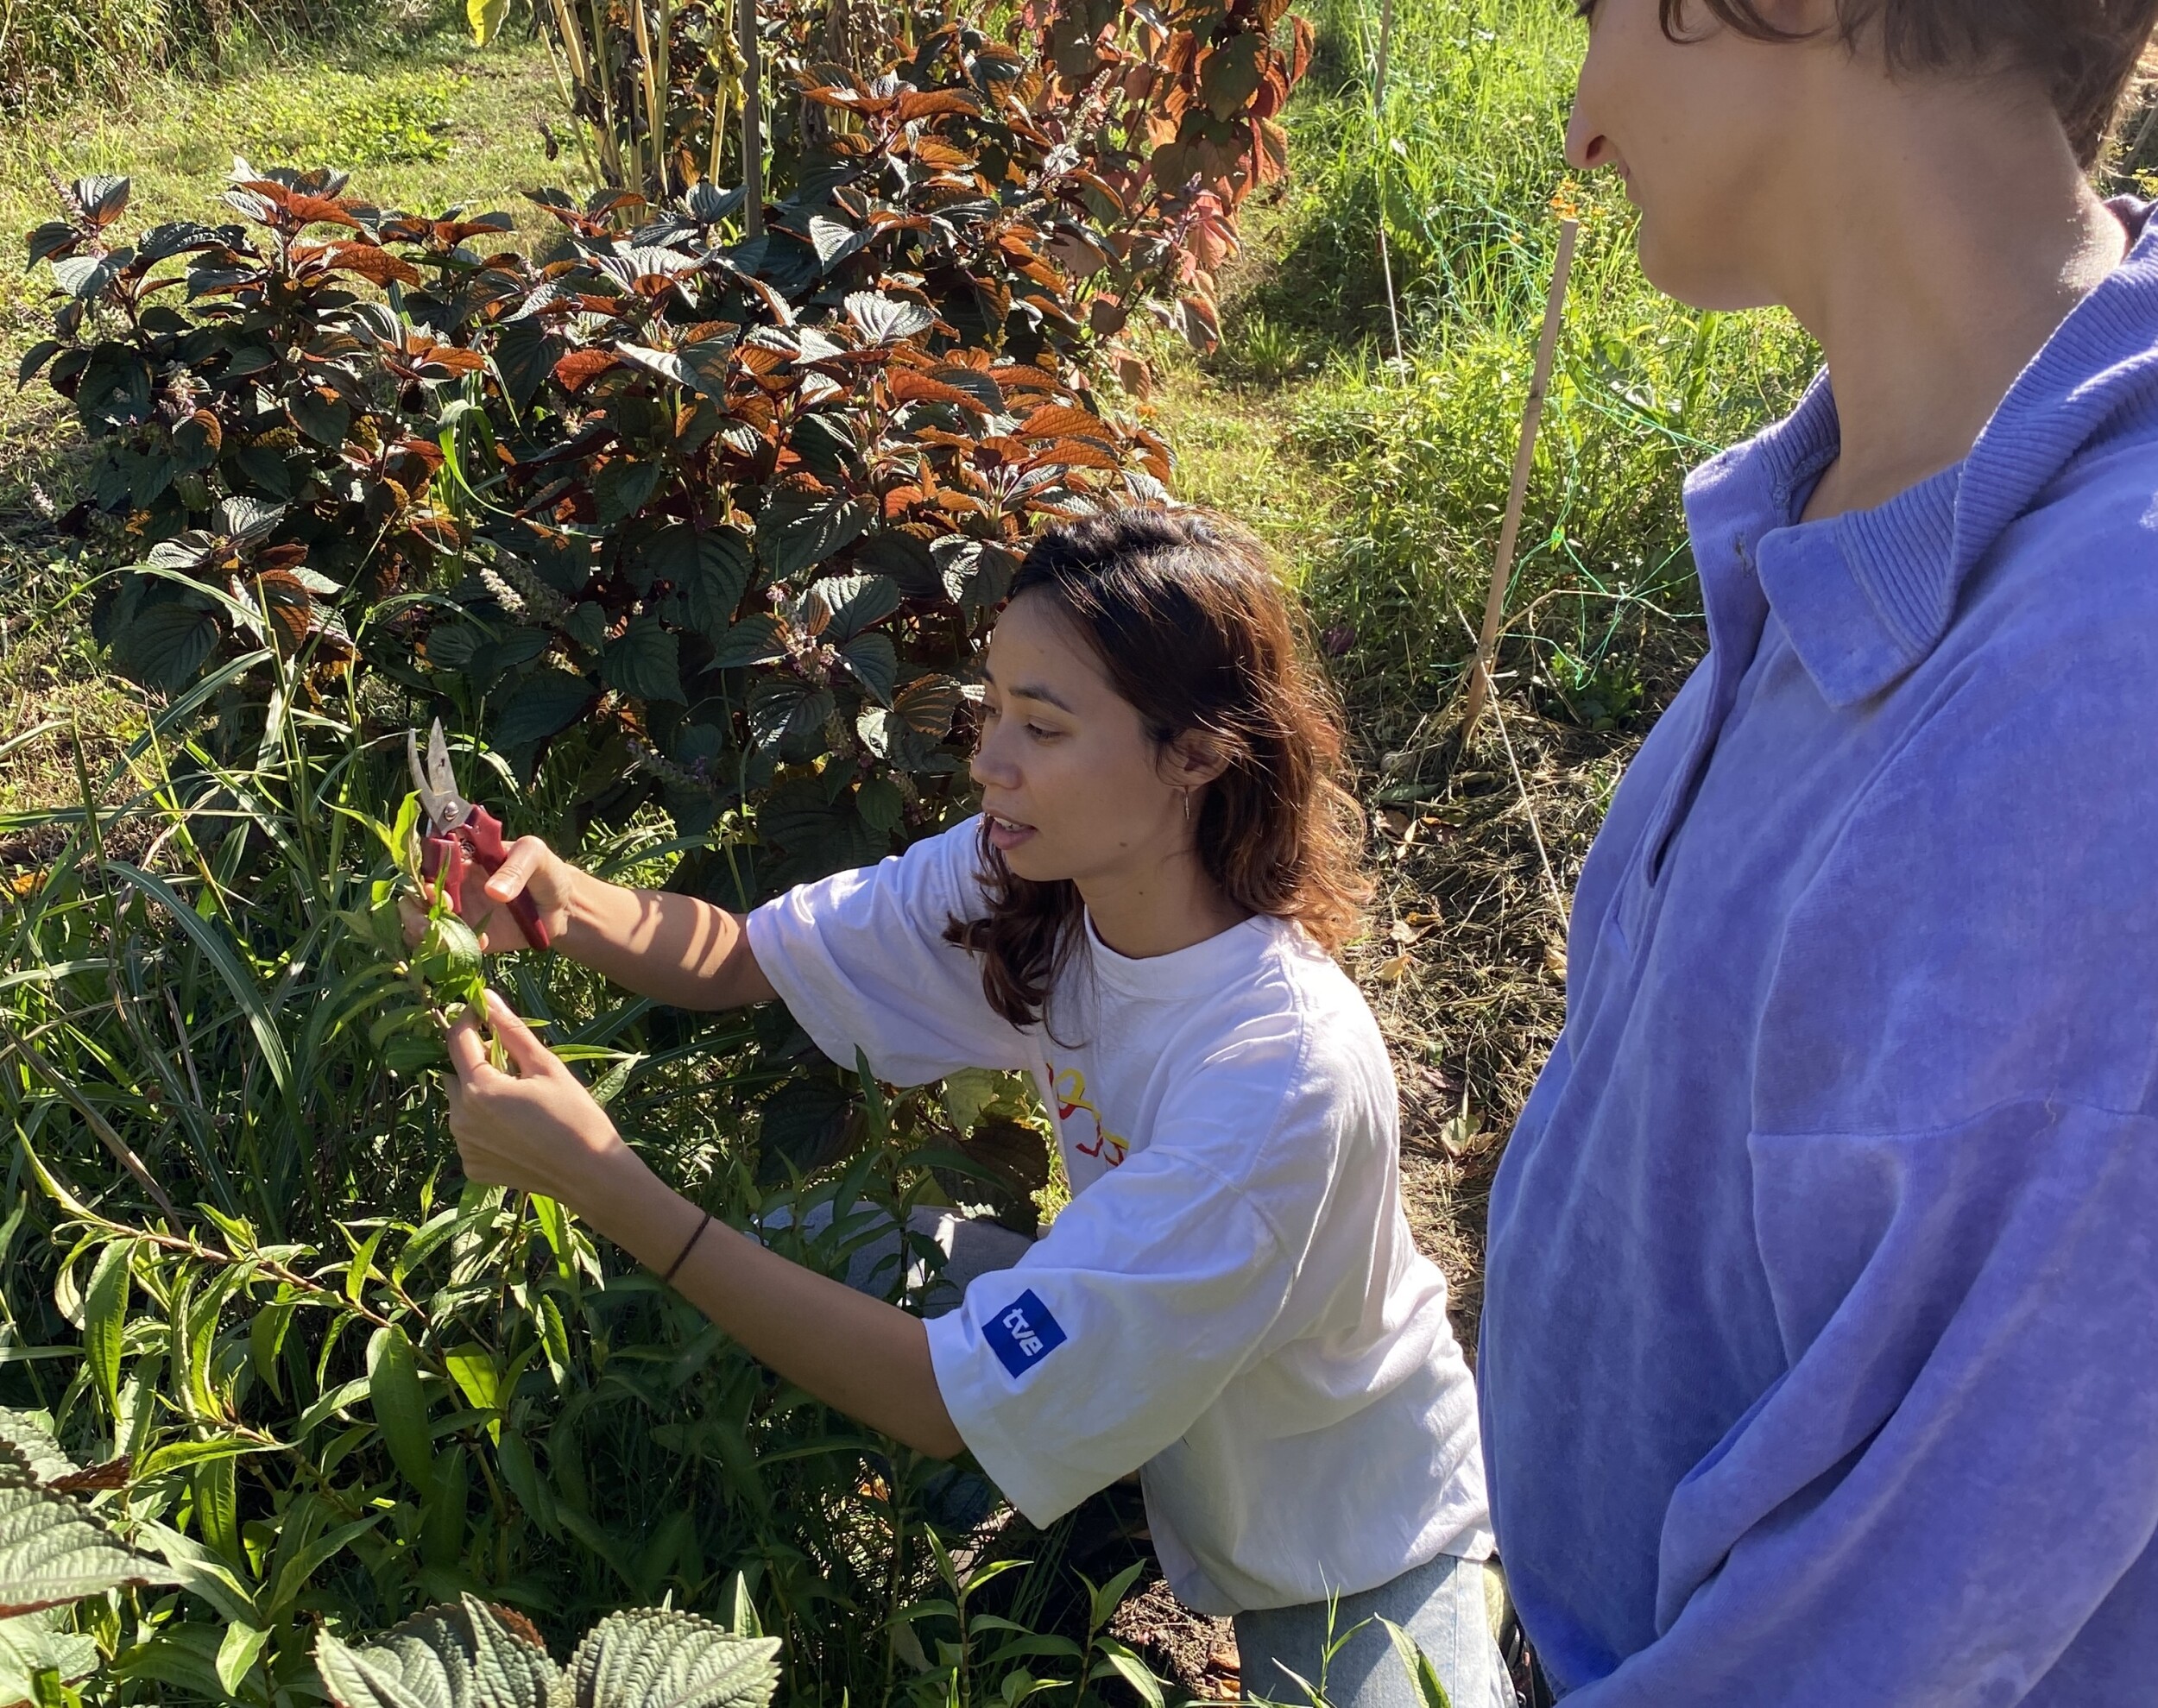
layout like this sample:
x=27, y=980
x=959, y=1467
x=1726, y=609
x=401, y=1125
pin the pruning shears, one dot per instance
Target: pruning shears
x=460, y=835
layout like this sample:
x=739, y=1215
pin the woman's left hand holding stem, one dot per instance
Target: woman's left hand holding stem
x=535, y=1128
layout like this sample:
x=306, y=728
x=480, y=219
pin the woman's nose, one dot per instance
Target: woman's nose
x=988, y=767
x=1587, y=147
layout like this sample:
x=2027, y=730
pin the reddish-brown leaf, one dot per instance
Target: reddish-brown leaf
x=940, y=156
x=298, y=210
x=581, y=367
x=1075, y=453
x=373, y=263
x=1060, y=421
x=935, y=104
x=909, y=387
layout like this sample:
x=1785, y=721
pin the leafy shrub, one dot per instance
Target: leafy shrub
x=659, y=517
x=348, y=1389
x=55, y=1551
x=490, y=1657
x=735, y=511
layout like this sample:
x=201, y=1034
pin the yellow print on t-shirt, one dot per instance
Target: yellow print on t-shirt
x=1071, y=1106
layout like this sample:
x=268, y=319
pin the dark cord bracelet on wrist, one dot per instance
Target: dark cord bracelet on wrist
x=667, y=1280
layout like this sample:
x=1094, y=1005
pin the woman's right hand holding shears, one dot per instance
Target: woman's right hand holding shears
x=531, y=868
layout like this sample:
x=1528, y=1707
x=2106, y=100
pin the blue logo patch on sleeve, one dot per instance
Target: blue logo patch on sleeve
x=1022, y=1333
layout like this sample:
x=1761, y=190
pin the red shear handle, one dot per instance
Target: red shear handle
x=483, y=832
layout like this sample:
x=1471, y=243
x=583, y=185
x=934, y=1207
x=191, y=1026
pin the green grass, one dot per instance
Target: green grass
x=420, y=118
x=1401, y=466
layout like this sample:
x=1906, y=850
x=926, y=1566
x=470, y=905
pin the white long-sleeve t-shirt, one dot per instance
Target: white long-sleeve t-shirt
x=1232, y=1303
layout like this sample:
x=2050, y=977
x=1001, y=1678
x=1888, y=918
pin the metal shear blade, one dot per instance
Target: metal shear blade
x=436, y=782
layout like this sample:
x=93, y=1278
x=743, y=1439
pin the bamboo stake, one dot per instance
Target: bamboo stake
x=1379, y=130
x=1524, y=464
x=652, y=179
x=752, y=123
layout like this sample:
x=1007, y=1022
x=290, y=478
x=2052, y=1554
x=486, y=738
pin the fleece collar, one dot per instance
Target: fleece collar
x=1867, y=595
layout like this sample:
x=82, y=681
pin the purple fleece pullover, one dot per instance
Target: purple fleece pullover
x=1821, y=1350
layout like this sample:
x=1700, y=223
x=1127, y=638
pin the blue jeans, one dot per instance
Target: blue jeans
x=1440, y=1605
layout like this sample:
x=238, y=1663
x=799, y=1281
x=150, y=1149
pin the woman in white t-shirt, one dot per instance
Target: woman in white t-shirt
x=1230, y=1304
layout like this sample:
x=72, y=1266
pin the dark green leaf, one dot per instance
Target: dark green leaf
x=856, y=602
x=547, y=703
x=880, y=804
x=709, y=565
x=163, y=645
x=760, y=640
x=875, y=662
x=587, y=626
x=84, y=276
x=321, y=414
x=785, y=709
x=645, y=662
x=115, y=387
x=35, y=359
x=49, y=239
x=623, y=486
x=800, y=528
x=525, y=354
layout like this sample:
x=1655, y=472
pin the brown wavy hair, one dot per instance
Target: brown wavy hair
x=1187, y=617
x=2085, y=51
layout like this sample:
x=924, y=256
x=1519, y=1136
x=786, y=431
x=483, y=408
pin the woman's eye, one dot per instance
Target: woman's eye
x=1039, y=733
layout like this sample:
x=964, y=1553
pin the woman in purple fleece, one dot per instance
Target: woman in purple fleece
x=1820, y=1351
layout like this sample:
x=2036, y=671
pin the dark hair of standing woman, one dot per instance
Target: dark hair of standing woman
x=2086, y=52
x=1190, y=622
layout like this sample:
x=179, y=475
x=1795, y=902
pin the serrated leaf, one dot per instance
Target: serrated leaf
x=164, y=645
x=30, y=1436
x=888, y=320
x=247, y=519
x=833, y=240
x=623, y=487
x=52, y=1551
x=401, y=1406
x=103, y=200
x=659, y=1658
x=546, y=703
x=645, y=662
x=928, y=704
x=799, y=529
x=881, y=806
x=469, y=1655
x=783, y=708
x=856, y=602
x=375, y=1678
x=38, y=1642
x=665, y=364
x=874, y=661
x=49, y=239
x=83, y=276
x=760, y=640
x=711, y=566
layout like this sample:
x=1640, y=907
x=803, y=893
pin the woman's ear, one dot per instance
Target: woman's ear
x=1193, y=760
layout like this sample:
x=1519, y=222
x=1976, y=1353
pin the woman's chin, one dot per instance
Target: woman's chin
x=1024, y=857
